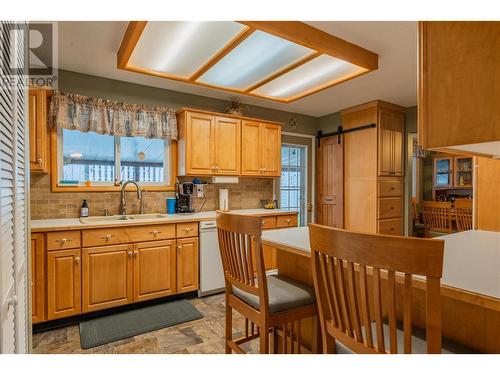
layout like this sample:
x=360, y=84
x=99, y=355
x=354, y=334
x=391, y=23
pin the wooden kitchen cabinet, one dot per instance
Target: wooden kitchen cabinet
x=187, y=264
x=38, y=136
x=37, y=278
x=106, y=277
x=458, y=83
x=154, y=270
x=390, y=142
x=209, y=144
x=261, y=149
x=63, y=283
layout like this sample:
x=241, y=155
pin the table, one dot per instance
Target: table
x=470, y=286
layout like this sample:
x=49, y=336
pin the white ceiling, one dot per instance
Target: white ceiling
x=91, y=47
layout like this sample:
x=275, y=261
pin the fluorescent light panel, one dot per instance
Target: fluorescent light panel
x=180, y=48
x=320, y=71
x=254, y=59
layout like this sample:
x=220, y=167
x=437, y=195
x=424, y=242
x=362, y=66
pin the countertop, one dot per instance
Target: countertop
x=471, y=258
x=48, y=225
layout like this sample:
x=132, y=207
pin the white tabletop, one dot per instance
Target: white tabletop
x=471, y=259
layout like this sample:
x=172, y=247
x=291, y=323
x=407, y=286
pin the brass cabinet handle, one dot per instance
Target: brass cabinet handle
x=77, y=260
x=188, y=229
x=155, y=232
x=179, y=247
x=130, y=254
x=107, y=237
x=288, y=221
x=136, y=253
x=39, y=160
x=64, y=240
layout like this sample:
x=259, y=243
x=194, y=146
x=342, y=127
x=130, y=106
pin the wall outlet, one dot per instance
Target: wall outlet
x=200, y=191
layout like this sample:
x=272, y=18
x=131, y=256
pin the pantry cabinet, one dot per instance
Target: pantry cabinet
x=390, y=143
x=38, y=135
x=154, y=270
x=106, y=277
x=63, y=283
x=261, y=149
x=187, y=264
x=212, y=144
x=208, y=144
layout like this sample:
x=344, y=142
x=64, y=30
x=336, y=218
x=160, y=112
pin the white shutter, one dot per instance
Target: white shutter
x=14, y=309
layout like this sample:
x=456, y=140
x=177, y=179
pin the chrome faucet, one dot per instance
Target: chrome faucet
x=123, y=202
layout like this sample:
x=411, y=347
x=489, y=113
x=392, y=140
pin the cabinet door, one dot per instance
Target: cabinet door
x=443, y=172
x=227, y=149
x=398, y=130
x=63, y=283
x=462, y=171
x=200, y=144
x=187, y=264
x=37, y=278
x=38, y=131
x=250, y=150
x=154, y=270
x=271, y=149
x=106, y=277
x=385, y=144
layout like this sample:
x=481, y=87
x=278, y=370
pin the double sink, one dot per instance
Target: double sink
x=120, y=218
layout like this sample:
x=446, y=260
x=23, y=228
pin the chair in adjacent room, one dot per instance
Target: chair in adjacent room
x=437, y=218
x=463, y=214
x=417, y=225
x=273, y=304
x=356, y=277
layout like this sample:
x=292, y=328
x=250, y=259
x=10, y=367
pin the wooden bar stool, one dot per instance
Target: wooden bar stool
x=360, y=273
x=272, y=303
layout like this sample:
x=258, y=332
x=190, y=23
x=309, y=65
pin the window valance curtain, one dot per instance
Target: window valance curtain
x=102, y=116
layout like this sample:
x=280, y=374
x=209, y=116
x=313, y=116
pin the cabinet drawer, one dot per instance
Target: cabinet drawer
x=390, y=188
x=269, y=222
x=63, y=240
x=152, y=232
x=106, y=236
x=389, y=207
x=187, y=230
x=286, y=221
x=391, y=226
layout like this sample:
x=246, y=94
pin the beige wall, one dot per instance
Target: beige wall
x=246, y=194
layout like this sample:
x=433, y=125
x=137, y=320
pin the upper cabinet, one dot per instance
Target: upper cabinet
x=459, y=86
x=212, y=144
x=261, y=149
x=391, y=124
x=38, y=137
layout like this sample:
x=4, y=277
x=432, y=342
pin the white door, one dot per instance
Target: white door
x=14, y=294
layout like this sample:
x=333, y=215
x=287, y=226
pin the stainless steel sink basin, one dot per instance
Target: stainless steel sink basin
x=120, y=218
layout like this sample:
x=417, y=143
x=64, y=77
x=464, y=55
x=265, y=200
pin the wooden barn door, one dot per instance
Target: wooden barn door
x=330, y=183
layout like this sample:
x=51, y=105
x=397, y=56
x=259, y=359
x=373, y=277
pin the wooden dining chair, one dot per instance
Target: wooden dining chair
x=271, y=303
x=359, y=274
x=463, y=214
x=417, y=225
x=437, y=218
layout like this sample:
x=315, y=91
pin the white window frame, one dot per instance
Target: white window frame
x=167, y=167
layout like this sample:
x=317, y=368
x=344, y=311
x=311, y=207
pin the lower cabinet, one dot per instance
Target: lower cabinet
x=63, y=283
x=187, y=264
x=106, y=277
x=154, y=270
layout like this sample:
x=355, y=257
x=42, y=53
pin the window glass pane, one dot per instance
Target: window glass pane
x=142, y=159
x=88, y=156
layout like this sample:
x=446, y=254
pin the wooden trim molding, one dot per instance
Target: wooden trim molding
x=129, y=41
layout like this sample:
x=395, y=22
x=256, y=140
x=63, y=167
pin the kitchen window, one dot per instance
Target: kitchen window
x=293, y=187
x=91, y=161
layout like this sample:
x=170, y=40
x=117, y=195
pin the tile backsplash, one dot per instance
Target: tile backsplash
x=48, y=205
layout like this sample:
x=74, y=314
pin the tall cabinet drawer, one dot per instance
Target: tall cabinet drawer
x=390, y=208
x=390, y=188
x=391, y=226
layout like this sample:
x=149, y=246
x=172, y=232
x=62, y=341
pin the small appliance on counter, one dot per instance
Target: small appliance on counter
x=185, y=198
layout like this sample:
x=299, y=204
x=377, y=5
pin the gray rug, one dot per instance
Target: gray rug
x=106, y=329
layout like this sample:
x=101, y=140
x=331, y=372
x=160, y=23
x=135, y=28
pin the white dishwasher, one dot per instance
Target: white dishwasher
x=211, y=274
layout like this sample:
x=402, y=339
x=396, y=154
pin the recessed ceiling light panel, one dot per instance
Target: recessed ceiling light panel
x=321, y=71
x=254, y=59
x=180, y=48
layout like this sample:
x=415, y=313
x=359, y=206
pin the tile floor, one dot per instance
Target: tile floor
x=200, y=336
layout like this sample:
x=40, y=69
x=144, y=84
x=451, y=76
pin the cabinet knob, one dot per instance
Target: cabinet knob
x=130, y=254
x=136, y=253
x=392, y=208
x=179, y=247
x=39, y=160
x=107, y=237
x=288, y=221
x=77, y=260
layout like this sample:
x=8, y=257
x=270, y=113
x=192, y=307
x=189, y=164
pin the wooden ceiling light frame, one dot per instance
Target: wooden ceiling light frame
x=294, y=31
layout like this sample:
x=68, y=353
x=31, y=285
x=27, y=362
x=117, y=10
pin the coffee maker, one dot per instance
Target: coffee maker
x=184, y=198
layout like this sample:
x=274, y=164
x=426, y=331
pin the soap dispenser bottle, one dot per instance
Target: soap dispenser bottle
x=84, y=211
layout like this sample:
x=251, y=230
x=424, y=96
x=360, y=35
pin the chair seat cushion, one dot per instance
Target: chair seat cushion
x=284, y=294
